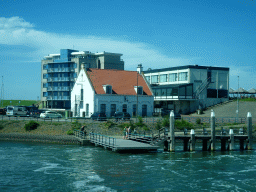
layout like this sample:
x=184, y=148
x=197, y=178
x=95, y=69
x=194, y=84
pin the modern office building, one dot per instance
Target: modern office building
x=185, y=89
x=59, y=73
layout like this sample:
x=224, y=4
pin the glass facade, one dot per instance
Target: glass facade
x=183, y=76
x=163, y=78
x=173, y=77
x=177, y=91
x=154, y=79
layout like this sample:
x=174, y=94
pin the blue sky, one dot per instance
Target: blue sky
x=156, y=33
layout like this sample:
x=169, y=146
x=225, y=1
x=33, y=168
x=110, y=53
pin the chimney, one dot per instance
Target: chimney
x=139, y=68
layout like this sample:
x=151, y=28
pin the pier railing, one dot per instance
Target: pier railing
x=103, y=140
x=80, y=134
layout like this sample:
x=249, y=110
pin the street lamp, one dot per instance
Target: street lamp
x=237, y=110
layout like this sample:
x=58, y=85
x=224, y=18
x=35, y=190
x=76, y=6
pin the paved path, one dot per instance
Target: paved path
x=122, y=144
x=229, y=110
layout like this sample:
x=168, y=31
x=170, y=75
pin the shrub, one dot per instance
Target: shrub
x=158, y=125
x=31, y=125
x=141, y=124
x=183, y=124
x=123, y=125
x=166, y=121
x=70, y=132
x=76, y=125
x=108, y=124
x=1, y=127
x=198, y=121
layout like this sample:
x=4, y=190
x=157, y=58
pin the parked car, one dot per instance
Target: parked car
x=36, y=113
x=50, y=114
x=165, y=112
x=122, y=116
x=99, y=116
x=2, y=111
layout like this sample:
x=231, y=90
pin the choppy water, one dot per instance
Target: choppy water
x=46, y=167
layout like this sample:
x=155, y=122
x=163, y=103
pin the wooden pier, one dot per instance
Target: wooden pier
x=121, y=145
x=227, y=141
x=168, y=138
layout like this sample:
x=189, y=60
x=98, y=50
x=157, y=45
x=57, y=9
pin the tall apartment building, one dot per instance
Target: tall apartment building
x=59, y=72
x=185, y=89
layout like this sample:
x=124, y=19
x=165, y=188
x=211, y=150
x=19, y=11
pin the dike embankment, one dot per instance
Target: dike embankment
x=50, y=132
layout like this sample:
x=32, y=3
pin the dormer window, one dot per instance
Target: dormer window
x=107, y=89
x=138, y=90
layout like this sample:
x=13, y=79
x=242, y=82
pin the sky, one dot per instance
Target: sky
x=155, y=33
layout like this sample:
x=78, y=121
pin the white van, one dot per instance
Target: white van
x=17, y=111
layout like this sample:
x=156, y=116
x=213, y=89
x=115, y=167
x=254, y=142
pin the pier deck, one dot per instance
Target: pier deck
x=120, y=145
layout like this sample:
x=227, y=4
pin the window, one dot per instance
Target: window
x=45, y=76
x=148, y=79
x=163, y=78
x=108, y=89
x=144, y=110
x=140, y=90
x=134, y=109
x=163, y=92
x=157, y=92
x=154, y=79
x=82, y=94
x=172, y=77
x=103, y=108
x=113, y=109
x=81, y=104
x=124, y=108
x=45, y=94
x=182, y=91
x=87, y=109
x=183, y=76
x=45, y=66
x=45, y=85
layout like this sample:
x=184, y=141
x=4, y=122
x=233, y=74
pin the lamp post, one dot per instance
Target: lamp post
x=237, y=110
x=137, y=100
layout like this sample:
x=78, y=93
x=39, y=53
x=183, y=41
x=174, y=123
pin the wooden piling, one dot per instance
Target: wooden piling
x=249, y=130
x=223, y=144
x=172, y=136
x=232, y=140
x=213, y=137
x=205, y=144
x=192, y=140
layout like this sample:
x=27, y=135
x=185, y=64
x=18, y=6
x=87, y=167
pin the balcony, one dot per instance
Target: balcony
x=66, y=69
x=55, y=98
x=58, y=79
x=58, y=88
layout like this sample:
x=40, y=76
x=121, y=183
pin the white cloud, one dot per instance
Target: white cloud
x=14, y=23
x=16, y=31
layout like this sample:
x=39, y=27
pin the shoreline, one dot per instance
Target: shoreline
x=43, y=138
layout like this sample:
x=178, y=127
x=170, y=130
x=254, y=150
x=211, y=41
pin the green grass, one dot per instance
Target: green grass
x=5, y=103
x=248, y=99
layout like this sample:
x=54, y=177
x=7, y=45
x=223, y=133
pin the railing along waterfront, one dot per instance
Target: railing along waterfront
x=102, y=140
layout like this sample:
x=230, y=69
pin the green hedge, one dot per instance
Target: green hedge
x=31, y=125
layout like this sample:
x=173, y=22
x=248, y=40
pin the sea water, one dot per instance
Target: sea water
x=50, y=167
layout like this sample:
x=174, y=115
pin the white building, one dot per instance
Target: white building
x=108, y=91
x=185, y=89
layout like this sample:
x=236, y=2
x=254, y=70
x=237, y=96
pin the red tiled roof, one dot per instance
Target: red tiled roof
x=122, y=82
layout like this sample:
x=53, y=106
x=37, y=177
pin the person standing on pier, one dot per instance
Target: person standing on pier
x=125, y=133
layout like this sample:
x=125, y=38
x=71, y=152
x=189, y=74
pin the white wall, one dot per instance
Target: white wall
x=82, y=83
x=119, y=100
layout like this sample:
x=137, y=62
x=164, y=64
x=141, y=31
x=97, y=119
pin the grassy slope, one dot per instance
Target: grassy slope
x=16, y=102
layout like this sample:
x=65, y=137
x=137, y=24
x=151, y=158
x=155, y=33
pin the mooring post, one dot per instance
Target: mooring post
x=172, y=136
x=192, y=140
x=232, y=140
x=213, y=138
x=249, y=130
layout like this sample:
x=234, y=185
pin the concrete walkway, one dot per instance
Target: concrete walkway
x=229, y=110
